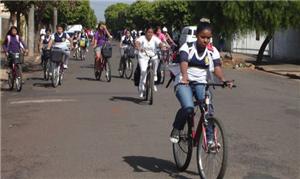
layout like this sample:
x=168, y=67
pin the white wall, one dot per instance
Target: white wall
x=286, y=44
x=248, y=44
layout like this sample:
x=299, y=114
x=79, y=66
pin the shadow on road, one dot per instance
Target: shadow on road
x=87, y=66
x=130, y=99
x=86, y=78
x=152, y=164
x=259, y=176
x=5, y=89
x=36, y=78
x=45, y=85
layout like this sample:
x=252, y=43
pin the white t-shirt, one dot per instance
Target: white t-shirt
x=149, y=46
x=123, y=38
x=43, y=32
x=63, y=44
x=195, y=73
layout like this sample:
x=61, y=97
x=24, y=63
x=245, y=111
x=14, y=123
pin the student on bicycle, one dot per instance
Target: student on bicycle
x=169, y=39
x=59, y=40
x=45, y=39
x=196, y=61
x=13, y=44
x=83, y=37
x=147, y=44
x=126, y=42
x=100, y=38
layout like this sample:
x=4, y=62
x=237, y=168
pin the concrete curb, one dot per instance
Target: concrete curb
x=291, y=75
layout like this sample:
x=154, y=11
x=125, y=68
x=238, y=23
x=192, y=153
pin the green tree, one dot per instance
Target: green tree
x=116, y=16
x=141, y=13
x=263, y=17
x=173, y=13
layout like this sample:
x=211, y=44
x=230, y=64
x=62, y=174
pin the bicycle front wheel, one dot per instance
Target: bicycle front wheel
x=18, y=77
x=182, y=151
x=11, y=80
x=212, y=161
x=55, y=74
x=96, y=71
x=107, y=71
x=128, y=68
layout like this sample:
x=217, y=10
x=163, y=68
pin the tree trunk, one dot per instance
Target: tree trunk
x=31, y=31
x=19, y=23
x=262, y=48
x=54, y=18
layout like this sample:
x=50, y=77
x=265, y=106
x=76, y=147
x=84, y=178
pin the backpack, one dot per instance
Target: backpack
x=18, y=39
x=176, y=55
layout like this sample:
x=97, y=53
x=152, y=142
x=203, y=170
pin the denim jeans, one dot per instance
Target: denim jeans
x=184, y=94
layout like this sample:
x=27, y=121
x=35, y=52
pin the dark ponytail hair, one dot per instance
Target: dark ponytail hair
x=203, y=25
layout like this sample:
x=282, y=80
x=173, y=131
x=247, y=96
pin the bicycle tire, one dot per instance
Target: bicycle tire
x=96, y=71
x=107, y=71
x=18, y=79
x=128, y=68
x=185, y=141
x=162, y=73
x=11, y=81
x=55, y=75
x=122, y=69
x=61, y=76
x=151, y=87
x=147, y=84
x=223, y=147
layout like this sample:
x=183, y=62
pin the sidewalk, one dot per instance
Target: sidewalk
x=290, y=68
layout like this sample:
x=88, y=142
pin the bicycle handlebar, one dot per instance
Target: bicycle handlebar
x=223, y=85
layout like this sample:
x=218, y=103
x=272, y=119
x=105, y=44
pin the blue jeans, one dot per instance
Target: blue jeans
x=184, y=94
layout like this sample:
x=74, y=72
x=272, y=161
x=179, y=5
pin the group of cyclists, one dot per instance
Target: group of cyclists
x=196, y=59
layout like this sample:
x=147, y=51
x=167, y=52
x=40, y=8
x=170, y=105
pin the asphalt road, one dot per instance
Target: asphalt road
x=88, y=129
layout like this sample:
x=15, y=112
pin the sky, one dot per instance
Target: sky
x=99, y=6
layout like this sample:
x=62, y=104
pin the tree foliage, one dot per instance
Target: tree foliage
x=69, y=12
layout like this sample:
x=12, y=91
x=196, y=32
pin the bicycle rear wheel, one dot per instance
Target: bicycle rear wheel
x=182, y=151
x=212, y=162
x=128, y=68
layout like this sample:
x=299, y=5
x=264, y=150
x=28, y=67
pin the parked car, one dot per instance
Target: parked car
x=188, y=34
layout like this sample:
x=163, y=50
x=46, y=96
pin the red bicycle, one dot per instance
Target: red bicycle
x=211, y=159
x=15, y=75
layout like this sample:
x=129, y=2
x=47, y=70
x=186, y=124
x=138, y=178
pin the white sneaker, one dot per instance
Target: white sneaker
x=155, y=88
x=155, y=78
x=65, y=66
x=141, y=94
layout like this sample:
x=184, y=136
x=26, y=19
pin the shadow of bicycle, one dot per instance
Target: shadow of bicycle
x=152, y=164
x=43, y=85
x=130, y=99
x=86, y=79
